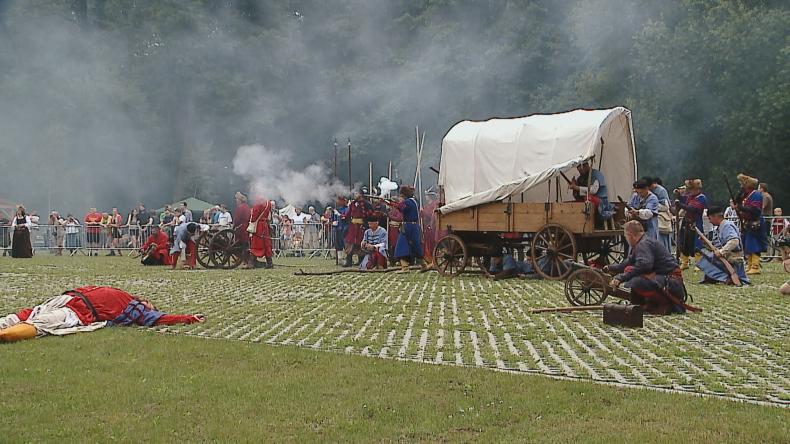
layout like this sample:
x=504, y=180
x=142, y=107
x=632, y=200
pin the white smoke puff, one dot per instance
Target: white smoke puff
x=387, y=186
x=270, y=175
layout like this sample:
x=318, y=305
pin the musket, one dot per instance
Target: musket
x=624, y=203
x=733, y=274
x=566, y=309
x=565, y=177
x=385, y=199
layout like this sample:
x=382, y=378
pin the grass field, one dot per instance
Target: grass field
x=268, y=376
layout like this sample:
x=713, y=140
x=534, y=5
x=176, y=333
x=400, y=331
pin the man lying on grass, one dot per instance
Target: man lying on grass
x=86, y=309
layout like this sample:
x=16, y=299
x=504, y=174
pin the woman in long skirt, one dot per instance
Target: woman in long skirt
x=20, y=246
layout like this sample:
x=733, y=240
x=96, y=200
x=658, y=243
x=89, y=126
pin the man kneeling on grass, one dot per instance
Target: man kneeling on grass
x=651, y=273
x=86, y=309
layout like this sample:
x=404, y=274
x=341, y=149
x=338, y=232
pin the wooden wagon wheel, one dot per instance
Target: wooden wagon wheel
x=202, y=244
x=610, y=251
x=450, y=255
x=551, y=247
x=585, y=287
x=224, y=251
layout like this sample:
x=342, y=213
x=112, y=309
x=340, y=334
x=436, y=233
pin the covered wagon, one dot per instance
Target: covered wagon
x=503, y=185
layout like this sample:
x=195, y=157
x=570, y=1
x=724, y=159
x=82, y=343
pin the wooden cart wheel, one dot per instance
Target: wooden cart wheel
x=610, y=251
x=450, y=255
x=223, y=250
x=203, y=256
x=552, y=246
x=586, y=287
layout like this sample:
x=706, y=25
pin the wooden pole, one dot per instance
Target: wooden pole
x=389, y=171
x=350, y=184
x=370, y=177
x=334, y=170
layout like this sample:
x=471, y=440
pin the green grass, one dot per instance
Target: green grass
x=134, y=385
x=140, y=385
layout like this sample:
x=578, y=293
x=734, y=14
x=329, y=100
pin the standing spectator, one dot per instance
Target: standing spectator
x=780, y=223
x=105, y=223
x=5, y=234
x=731, y=213
x=20, y=246
x=312, y=223
x=286, y=230
x=186, y=212
x=116, y=222
x=768, y=200
x=166, y=222
x=133, y=224
x=326, y=227
x=224, y=219
x=167, y=210
x=72, y=234
x=299, y=221
x=93, y=230
x=57, y=229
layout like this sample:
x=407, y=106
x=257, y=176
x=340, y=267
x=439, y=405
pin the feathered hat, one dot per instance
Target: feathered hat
x=748, y=182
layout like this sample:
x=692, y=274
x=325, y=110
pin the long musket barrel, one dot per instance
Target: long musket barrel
x=566, y=309
x=733, y=274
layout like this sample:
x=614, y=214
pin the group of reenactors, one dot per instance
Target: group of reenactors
x=364, y=235
x=652, y=273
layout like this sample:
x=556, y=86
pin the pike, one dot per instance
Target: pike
x=733, y=275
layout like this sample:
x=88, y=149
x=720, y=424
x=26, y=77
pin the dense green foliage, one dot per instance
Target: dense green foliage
x=164, y=92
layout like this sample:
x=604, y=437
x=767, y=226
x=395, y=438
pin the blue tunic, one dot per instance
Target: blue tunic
x=755, y=240
x=409, y=243
x=712, y=266
x=648, y=203
x=605, y=209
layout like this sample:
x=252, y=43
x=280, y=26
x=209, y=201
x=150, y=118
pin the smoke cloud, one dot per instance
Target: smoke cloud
x=270, y=176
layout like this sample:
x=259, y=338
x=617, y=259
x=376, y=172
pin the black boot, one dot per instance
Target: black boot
x=348, y=261
x=269, y=264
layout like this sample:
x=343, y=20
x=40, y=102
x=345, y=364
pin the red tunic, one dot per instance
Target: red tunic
x=162, y=251
x=241, y=217
x=355, y=217
x=109, y=303
x=261, y=242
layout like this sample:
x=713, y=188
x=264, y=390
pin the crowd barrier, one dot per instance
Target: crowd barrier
x=297, y=240
x=306, y=240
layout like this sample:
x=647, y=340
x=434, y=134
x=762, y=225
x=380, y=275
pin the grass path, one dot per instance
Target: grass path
x=136, y=385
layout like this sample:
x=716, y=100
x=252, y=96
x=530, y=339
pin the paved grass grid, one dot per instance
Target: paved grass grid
x=739, y=347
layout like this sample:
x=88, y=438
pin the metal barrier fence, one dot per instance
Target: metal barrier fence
x=301, y=240
x=297, y=240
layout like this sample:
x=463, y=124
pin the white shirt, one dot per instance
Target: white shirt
x=225, y=218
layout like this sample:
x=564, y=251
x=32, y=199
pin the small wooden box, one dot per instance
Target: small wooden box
x=623, y=315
